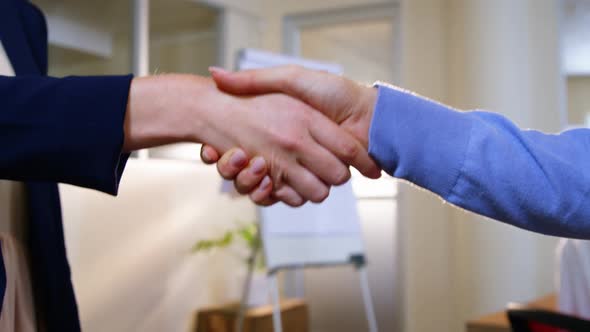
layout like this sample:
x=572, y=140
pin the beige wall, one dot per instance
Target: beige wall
x=118, y=64
x=364, y=50
x=501, y=56
x=456, y=59
x=177, y=44
x=428, y=293
x=578, y=99
x=130, y=255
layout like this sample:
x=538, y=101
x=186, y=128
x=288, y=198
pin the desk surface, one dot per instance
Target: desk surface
x=498, y=322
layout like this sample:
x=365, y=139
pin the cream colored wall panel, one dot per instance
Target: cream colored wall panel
x=503, y=57
x=424, y=221
x=239, y=30
x=578, y=100
x=130, y=255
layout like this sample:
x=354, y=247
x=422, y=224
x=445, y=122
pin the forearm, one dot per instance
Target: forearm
x=63, y=130
x=79, y=130
x=482, y=162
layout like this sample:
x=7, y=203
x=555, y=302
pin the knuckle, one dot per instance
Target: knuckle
x=288, y=142
x=240, y=188
x=308, y=118
x=289, y=197
x=244, y=184
x=277, y=174
x=320, y=195
x=258, y=200
x=244, y=180
x=296, y=203
x=342, y=176
x=292, y=74
x=225, y=171
x=263, y=203
x=350, y=150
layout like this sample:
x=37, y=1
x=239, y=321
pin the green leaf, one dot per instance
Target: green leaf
x=221, y=242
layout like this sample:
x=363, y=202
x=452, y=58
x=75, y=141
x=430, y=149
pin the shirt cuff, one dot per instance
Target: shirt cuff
x=102, y=105
x=417, y=139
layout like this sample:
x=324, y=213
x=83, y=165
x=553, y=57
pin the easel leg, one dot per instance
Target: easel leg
x=244, y=301
x=247, y=282
x=371, y=319
x=276, y=302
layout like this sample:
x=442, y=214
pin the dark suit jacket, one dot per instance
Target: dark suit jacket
x=54, y=130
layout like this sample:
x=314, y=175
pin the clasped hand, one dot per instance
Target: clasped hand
x=301, y=128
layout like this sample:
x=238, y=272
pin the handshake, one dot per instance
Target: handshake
x=282, y=134
x=315, y=124
x=289, y=134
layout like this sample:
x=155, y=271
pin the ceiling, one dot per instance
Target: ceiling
x=576, y=36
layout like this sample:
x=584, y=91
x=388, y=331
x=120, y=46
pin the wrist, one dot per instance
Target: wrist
x=370, y=95
x=161, y=110
x=363, y=115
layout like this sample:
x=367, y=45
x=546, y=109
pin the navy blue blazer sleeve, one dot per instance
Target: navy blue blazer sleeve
x=68, y=130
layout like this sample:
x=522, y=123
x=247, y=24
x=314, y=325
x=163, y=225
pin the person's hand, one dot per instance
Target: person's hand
x=346, y=102
x=303, y=148
x=249, y=178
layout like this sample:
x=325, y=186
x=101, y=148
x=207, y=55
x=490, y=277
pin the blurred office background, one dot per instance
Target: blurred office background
x=432, y=267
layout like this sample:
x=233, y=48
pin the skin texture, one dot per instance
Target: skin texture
x=304, y=152
x=347, y=103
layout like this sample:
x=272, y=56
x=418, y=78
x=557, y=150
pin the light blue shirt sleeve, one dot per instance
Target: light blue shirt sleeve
x=482, y=162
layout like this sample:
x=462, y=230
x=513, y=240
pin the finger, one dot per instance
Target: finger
x=208, y=154
x=305, y=183
x=250, y=177
x=231, y=163
x=289, y=196
x=343, y=145
x=324, y=164
x=262, y=194
x=267, y=202
x=256, y=81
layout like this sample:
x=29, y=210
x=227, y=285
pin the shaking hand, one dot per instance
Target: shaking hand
x=347, y=103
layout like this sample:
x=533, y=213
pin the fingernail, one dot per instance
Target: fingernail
x=238, y=159
x=264, y=184
x=258, y=165
x=217, y=70
x=205, y=155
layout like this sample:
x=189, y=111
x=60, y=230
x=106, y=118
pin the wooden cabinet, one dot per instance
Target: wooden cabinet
x=294, y=315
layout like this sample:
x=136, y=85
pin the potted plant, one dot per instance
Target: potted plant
x=244, y=236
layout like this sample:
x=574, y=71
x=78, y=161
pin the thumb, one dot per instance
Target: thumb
x=330, y=94
x=259, y=81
